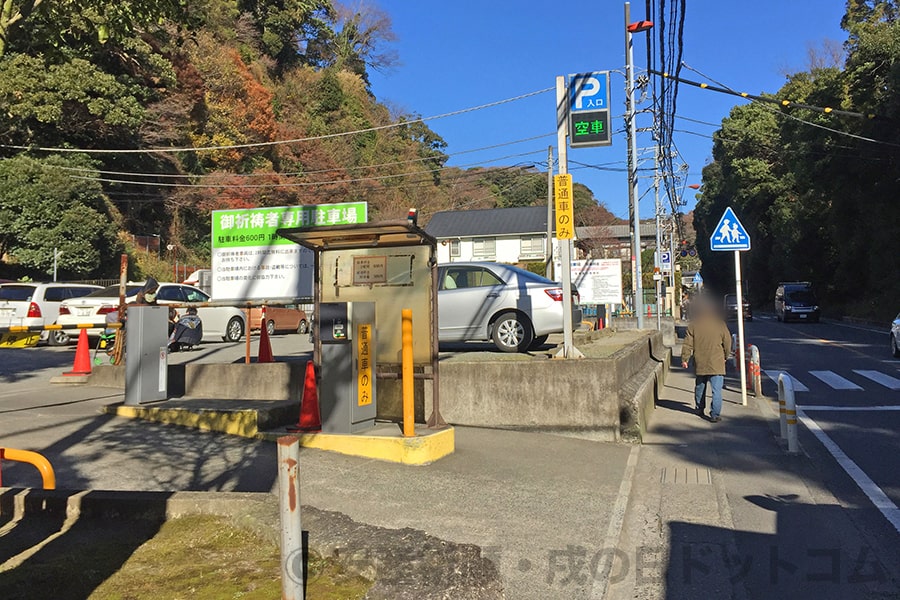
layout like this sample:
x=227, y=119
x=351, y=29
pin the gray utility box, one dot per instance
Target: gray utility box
x=346, y=331
x=146, y=354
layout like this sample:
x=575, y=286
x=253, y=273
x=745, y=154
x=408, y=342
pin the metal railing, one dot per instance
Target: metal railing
x=48, y=477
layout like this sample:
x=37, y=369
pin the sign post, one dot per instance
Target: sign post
x=568, y=227
x=730, y=234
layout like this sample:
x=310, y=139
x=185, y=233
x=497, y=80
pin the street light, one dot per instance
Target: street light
x=633, y=198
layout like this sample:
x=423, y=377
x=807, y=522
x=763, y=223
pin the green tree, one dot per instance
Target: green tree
x=70, y=103
x=43, y=207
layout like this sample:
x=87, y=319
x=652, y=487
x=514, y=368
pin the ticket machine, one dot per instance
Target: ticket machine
x=346, y=331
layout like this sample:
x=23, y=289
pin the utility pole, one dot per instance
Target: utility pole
x=565, y=245
x=657, y=273
x=548, y=269
x=56, y=255
x=633, y=198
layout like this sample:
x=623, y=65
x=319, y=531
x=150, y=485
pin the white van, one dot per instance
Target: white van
x=37, y=304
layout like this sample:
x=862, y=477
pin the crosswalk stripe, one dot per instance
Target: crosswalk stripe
x=798, y=387
x=834, y=380
x=891, y=383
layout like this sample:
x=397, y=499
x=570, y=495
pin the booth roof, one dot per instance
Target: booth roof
x=364, y=235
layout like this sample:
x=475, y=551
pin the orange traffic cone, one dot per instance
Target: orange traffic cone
x=82, y=364
x=310, y=421
x=265, y=346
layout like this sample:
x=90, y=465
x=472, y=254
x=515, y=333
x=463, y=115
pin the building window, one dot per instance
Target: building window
x=533, y=246
x=484, y=247
x=454, y=248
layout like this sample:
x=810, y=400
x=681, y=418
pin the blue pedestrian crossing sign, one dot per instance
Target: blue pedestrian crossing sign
x=729, y=234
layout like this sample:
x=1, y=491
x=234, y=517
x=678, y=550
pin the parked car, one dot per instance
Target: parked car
x=731, y=308
x=895, y=337
x=796, y=301
x=514, y=308
x=225, y=322
x=37, y=304
x=279, y=319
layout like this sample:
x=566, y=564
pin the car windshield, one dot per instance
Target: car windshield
x=112, y=291
x=20, y=293
x=805, y=296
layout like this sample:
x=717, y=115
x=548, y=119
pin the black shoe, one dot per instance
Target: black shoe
x=700, y=412
x=715, y=419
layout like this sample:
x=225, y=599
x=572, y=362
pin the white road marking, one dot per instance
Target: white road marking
x=825, y=408
x=891, y=383
x=835, y=381
x=865, y=483
x=798, y=387
x=616, y=520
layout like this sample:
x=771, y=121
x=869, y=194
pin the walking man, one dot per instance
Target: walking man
x=708, y=341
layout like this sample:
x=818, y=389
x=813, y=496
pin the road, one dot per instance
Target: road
x=848, y=392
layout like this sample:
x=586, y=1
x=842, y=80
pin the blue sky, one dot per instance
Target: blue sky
x=464, y=53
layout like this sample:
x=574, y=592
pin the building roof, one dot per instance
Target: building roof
x=488, y=222
x=615, y=232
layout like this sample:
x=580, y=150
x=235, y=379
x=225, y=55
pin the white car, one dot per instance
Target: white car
x=225, y=322
x=37, y=304
x=514, y=308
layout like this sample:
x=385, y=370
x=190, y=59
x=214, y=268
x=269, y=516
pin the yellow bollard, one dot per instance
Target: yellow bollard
x=406, y=356
x=48, y=477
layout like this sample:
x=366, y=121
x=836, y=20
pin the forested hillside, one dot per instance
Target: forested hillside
x=190, y=107
x=818, y=190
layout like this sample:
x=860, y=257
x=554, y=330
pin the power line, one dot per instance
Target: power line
x=295, y=184
x=783, y=102
x=789, y=104
x=294, y=173
x=280, y=142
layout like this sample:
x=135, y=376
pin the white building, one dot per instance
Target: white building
x=505, y=235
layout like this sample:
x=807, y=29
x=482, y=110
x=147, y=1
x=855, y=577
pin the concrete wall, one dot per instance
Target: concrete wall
x=607, y=398
x=668, y=326
x=604, y=398
x=266, y=381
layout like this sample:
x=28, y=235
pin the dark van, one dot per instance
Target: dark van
x=796, y=301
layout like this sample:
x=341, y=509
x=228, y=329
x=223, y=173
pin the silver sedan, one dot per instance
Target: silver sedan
x=514, y=308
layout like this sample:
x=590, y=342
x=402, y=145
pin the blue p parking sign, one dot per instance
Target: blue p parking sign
x=589, y=123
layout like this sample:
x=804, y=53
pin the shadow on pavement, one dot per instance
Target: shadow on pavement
x=107, y=452
x=809, y=557
x=47, y=552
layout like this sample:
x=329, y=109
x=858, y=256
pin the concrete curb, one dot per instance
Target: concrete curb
x=267, y=423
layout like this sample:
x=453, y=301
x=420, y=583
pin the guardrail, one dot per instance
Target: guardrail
x=787, y=410
x=48, y=477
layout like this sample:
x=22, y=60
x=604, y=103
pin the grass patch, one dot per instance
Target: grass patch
x=197, y=557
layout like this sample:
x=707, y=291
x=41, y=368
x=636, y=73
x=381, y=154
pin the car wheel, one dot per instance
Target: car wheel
x=303, y=327
x=538, y=342
x=270, y=327
x=512, y=333
x=895, y=346
x=58, y=338
x=234, y=331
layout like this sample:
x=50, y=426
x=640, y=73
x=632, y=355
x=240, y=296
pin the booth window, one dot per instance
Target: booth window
x=454, y=248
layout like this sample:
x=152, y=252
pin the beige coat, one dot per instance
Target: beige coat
x=709, y=342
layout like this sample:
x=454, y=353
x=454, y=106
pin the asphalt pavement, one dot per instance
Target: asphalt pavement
x=700, y=510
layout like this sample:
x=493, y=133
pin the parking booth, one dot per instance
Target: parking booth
x=365, y=275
